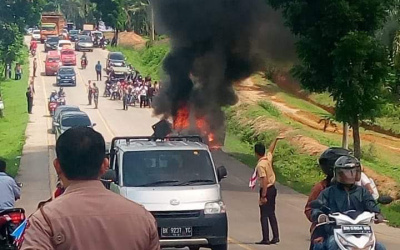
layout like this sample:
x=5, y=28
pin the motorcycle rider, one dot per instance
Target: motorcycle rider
x=53, y=96
x=84, y=58
x=61, y=92
x=326, y=162
x=10, y=192
x=345, y=195
x=33, y=46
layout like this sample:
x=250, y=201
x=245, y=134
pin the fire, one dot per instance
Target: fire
x=182, y=123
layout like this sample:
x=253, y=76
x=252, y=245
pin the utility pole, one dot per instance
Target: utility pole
x=152, y=22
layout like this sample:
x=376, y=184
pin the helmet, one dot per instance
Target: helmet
x=347, y=170
x=54, y=92
x=328, y=158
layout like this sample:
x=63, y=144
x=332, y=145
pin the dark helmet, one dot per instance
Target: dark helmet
x=328, y=158
x=347, y=170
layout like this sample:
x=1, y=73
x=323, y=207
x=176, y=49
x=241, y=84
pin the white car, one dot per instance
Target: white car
x=36, y=35
x=63, y=43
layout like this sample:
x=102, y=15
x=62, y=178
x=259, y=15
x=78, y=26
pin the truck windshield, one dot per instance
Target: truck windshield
x=48, y=27
x=167, y=168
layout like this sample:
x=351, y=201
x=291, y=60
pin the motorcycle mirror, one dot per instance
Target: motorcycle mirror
x=385, y=199
x=94, y=124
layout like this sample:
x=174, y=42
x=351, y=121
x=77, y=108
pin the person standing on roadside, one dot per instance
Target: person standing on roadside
x=29, y=99
x=150, y=94
x=95, y=94
x=268, y=192
x=8, y=70
x=89, y=91
x=34, y=66
x=80, y=218
x=98, y=68
x=18, y=71
x=143, y=95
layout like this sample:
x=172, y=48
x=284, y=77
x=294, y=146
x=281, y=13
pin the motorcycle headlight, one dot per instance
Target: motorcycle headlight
x=215, y=208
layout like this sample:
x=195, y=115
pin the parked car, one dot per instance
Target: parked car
x=36, y=35
x=72, y=119
x=68, y=57
x=59, y=111
x=66, y=76
x=64, y=43
x=73, y=35
x=114, y=59
x=51, y=43
x=84, y=43
x=52, y=63
x=177, y=181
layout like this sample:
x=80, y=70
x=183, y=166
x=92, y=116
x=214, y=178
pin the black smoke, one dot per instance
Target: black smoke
x=215, y=44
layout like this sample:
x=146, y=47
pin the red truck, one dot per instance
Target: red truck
x=52, y=24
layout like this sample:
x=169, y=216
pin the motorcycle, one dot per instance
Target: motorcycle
x=352, y=230
x=61, y=101
x=107, y=90
x=83, y=63
x=12, y=227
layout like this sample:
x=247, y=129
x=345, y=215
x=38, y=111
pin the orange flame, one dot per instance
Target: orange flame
x=182, y=122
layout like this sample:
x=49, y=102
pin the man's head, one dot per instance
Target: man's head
x=80, y=155
x=98, y=62
x=3, y=165
x=259, y=150
x=94, y=84
x=347, y=170
x=34, y=59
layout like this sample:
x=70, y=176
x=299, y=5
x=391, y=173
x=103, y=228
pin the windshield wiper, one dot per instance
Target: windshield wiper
x=157, y=183
x=196, y=181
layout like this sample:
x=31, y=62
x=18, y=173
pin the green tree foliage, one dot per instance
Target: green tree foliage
x=340, y=53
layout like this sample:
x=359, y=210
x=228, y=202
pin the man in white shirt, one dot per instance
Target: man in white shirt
x=143, y=95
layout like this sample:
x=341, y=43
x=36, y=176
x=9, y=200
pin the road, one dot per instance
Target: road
x=38, y=176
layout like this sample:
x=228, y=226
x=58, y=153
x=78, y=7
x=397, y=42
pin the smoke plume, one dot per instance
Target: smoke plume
x=215, y=44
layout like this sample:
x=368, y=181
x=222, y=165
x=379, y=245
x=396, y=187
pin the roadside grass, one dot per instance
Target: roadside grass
x=392, y=123
x=13, y=124
x=322, y=98
x=392, y=213
x=148, y=61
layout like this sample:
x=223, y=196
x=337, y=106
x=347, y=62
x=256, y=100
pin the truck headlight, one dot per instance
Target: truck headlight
x=73, y=77
x=58, y=77
x=215, y=208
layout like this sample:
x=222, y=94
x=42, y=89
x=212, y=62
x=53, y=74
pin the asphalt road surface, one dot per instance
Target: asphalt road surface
x=111, y=120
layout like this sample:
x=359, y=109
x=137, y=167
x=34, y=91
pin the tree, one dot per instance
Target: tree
x=339, y=53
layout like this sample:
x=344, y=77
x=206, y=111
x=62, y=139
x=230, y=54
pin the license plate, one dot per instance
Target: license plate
x=356, y=229
x=176, y=232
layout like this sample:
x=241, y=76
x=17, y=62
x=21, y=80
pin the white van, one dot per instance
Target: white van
x=176, y=180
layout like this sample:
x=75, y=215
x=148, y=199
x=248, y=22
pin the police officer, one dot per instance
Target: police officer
x=87, y=215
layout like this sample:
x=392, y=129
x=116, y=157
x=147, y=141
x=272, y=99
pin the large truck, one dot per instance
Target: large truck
x=52, y=24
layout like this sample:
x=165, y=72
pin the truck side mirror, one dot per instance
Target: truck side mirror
x=221, y=173
x=109, y=177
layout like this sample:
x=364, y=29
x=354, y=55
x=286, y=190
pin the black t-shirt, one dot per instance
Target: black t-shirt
x=150, y=92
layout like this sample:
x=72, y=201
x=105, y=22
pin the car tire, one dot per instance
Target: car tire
x=220, y=247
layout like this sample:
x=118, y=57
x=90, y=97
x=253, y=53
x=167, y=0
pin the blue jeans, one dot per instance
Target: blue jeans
x=330, y=244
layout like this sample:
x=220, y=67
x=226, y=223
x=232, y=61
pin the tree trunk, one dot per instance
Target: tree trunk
x=345, y=138
x=356, y=139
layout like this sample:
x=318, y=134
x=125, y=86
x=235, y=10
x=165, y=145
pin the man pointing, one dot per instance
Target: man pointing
x=268, y=192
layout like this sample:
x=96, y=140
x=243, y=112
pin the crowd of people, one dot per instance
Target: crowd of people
x=131, y=89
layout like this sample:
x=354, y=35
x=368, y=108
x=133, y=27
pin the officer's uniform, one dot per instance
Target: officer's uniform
x=88, y=216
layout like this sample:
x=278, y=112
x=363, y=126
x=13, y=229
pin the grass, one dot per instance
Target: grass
x=323, y=99
x=13, y=124
x=147, y=61
x=392, y=213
